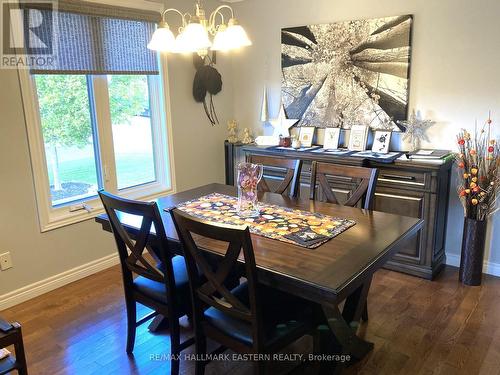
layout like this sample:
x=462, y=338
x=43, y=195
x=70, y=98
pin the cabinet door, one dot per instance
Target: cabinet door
x=405, y=203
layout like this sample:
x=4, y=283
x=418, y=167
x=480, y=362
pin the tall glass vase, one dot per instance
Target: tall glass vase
x=471, y=260
x=249, y=176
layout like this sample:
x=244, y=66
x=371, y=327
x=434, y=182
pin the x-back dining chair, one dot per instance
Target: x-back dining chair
x=250, y=318
x=291, y=180
x=163, y=287
x=364, y=191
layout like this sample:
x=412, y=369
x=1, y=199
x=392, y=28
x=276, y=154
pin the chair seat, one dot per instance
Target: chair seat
x=156, y=290
x=283, y=315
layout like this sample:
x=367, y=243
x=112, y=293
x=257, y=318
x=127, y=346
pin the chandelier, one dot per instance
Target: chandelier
x=194, y=34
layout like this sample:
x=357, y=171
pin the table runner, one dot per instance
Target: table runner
x=298, y=227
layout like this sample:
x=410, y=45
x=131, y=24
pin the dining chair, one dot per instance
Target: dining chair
x=250, y=318
x=365, y=188
x=11, y=334
x=164, y=286
x=364, y=178
x=291, y=180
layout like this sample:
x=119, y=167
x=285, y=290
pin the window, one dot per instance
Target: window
x=99, y=126
x=130, y=108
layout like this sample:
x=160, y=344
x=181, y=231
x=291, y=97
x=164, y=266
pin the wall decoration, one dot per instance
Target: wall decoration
x=306, y=136
x=347, y=73
x=332, y=136
x=282, y=124
x=358, y=138
x=207, y=80
x=231, y=131
x=381, y=141
x=415, y=129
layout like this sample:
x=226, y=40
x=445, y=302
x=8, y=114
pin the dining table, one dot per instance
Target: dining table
x=336, y=275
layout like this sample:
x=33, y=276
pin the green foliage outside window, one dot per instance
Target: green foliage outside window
x=65, y=109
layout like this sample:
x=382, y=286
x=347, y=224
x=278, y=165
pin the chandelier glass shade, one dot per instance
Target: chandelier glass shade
x=194, y=34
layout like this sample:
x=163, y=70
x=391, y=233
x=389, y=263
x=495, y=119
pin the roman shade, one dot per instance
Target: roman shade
x=90, y=38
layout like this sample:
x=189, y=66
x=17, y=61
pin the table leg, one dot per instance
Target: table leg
x=342, y=333
x=355, y=305
x=345, y=335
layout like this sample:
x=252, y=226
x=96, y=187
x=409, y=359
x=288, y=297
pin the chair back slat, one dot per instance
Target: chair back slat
x=132, y=253
x=208, y=282
x=292, y=177
x=365, y=188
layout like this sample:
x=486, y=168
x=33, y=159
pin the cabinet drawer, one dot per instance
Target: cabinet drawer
x=406, y=205
x=403, y=179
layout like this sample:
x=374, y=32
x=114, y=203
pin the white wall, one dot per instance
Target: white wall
x=454, y=77
x=198, y=146
x=199, y=159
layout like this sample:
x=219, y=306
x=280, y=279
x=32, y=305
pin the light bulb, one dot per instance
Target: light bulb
x=220, y=40
x=194, y=38
x=163, y=39
x=235, y=35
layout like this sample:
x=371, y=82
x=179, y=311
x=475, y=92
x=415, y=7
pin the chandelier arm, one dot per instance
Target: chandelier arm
x=183, y=16
x=211, y=22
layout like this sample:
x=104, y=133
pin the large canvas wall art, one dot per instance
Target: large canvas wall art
x=347, y=73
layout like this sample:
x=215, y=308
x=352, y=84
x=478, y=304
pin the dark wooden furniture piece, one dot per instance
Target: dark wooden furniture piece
x=247, y=318
x=291, y=180
x=14, y=337
x=339, y=270
x=414, y=188
x=364, y=191
x=163, y=287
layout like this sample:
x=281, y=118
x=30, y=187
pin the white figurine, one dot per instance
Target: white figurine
x=296, y=142
x=247, y=138
x=231, y=129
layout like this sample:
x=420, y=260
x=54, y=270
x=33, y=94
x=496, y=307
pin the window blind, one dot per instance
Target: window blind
x=98, y=39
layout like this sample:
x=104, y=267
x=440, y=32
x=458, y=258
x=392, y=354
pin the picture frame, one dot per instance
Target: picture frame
x=306, y=135
x=381, y=141
x=358, y=138
x=332, y=137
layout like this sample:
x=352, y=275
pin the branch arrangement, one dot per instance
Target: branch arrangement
x=479, y=172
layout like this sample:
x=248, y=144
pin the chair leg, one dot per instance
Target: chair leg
x=20, y=355
x=364, y=316
x=131, y=324
x=175, y=342
x=201, y=351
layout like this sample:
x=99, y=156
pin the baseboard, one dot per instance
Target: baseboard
x=43, y=286
x=489, y=267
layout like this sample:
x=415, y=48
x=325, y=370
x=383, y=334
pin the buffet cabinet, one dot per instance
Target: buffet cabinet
x=408, y=188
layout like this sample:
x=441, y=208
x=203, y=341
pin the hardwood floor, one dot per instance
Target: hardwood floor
x=418, y=327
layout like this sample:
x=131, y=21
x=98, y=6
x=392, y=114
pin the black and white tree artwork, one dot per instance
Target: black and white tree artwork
x=347, y=73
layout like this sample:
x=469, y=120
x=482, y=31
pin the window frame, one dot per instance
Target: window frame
x=51, y=217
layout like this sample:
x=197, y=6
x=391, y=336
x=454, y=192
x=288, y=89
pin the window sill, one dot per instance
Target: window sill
x=62, y=217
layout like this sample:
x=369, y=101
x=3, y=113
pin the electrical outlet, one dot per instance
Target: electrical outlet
x=5, y=261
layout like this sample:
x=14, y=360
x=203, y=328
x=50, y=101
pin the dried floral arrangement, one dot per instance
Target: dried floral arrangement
x=479, y=170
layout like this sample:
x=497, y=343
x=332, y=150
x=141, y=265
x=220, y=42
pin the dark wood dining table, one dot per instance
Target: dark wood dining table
x=337, y=271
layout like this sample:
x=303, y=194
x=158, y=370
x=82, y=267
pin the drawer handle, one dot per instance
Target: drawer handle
x=399, y=177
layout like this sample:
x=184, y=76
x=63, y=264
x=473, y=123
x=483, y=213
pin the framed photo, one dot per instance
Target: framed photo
x=332, y=136
x=381, y=141
x=358, y=138
x=306, y=135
